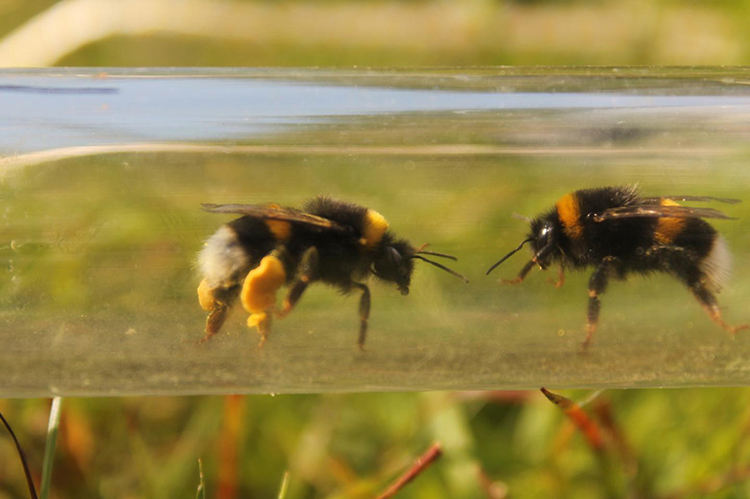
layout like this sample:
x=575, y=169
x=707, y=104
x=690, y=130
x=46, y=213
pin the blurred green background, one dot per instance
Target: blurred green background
x=663, y=443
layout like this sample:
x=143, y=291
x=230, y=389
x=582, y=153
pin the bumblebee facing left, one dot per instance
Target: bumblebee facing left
x=330, y=241
x=620, y=232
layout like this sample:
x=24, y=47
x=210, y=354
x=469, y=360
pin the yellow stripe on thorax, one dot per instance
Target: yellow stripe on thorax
x=375, y=227
x=569, y=211
x=667, y=229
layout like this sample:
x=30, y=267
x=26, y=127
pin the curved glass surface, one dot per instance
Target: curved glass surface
x=102, y=174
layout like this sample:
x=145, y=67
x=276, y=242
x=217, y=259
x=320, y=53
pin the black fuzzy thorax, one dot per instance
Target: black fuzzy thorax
x=625, y=239
x=342, y=258
x=346, y=214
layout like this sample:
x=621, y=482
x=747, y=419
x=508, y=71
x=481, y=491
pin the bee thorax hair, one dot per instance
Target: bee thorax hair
x=375, y=226
x=222, y=261
x=717, y=265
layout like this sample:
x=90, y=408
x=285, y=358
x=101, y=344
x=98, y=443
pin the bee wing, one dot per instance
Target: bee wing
x=700, y=199
x=275, y=212
x=658, y=211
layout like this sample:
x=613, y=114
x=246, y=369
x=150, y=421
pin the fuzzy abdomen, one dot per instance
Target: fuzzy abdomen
x=233, y=250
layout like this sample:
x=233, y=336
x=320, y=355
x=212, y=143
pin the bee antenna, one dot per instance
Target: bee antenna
x=442, y=267
x=521, y=217
x=435, y=253
x=509, y=255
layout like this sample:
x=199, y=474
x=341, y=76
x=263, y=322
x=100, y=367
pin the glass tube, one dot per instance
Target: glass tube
x=103, y=173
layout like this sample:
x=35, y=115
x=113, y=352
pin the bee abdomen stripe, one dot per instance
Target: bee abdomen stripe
x=667, y=229
x=569, y=212
x=281, y=229
x=375, y=227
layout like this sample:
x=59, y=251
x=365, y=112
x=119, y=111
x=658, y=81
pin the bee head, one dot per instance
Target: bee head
x=395, y=263
x=543, y=237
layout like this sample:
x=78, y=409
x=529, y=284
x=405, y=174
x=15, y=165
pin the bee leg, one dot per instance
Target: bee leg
x=708, y=301
x=258, y=295
x=262, y=322
x=217, y=302
x=521, y=275
x=307, y=273
x=597, y=285
x=364, y=313
x=215, y=320
x=560, y=278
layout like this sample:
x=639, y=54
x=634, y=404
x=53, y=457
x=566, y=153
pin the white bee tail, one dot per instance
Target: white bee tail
x=717, y=266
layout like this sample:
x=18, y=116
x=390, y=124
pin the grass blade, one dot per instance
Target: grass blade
x=29, y=480
x=284, y=485
x=201, y=493
x=49, y=449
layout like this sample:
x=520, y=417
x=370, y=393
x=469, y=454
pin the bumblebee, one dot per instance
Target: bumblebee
x=618, y=232
x=328, y=241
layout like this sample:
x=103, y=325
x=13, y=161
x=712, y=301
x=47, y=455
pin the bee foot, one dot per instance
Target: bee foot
x=283, y=311
x=590, y=330
x=585, y=346
x=556, y=284
x=733, y=330
x=262, y=322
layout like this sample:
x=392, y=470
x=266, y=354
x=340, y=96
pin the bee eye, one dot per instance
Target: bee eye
x=544, y=236
x=395, y=258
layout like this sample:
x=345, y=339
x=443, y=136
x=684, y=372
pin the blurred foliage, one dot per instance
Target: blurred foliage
x=392, y=33
x=682, y=443
x=354, y=446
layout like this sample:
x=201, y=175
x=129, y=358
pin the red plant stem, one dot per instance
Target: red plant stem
x=228, y=479
x=421, y=463
x=579, y=418
x=603, y=411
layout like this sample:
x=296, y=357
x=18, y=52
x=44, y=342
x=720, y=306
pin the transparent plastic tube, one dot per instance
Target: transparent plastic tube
x=103, y=172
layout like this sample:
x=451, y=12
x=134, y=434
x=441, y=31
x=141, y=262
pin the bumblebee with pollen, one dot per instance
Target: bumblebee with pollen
x=619, y=232
x=329, y=241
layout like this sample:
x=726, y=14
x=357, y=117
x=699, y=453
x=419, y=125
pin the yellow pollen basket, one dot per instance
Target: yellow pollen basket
x=258, y=294
x=206, y=296
x=375, y=227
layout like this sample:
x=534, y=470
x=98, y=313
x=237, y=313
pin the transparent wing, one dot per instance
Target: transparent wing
x=275, y=212
x=699, y=199
x=658, y=211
